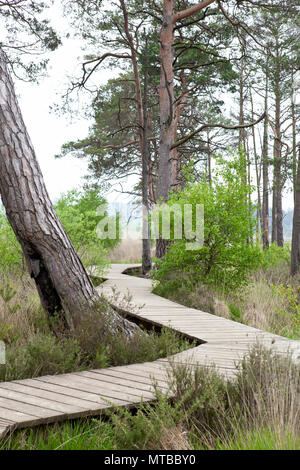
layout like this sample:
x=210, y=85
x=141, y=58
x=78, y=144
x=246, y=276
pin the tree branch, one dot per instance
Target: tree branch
x=190, y=11
x=223, y=126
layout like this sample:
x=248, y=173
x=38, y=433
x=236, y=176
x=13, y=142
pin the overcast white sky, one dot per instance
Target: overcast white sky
x=48, y=131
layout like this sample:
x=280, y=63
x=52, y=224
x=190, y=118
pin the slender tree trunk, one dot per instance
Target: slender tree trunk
x=146, y=258
x=295, y=252
x=277, y=153
x=142, y=121
x=274, y=214
x=208, y=169
x=166, y=101
x=242, y=131
x=294, y=120
x=176, y=162
x=277, y=177
x=265, y=163
x=63, y=285
x=257, y=172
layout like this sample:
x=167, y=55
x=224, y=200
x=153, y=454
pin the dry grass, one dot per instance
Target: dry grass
x=258, y=305
x=21, y=314
x=36, y=347
x=261, y=307
x=175, y=438
x=258, y=410
x=128, y=251
x=262, y=402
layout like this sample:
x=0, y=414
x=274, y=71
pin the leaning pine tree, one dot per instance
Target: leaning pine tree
x=64, y=286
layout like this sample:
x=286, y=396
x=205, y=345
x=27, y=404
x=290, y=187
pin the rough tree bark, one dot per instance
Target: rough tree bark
x=167, y=156
x=63, y=285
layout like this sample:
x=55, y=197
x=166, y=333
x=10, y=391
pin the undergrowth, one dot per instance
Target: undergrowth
x=33, y=348
x=259, y=409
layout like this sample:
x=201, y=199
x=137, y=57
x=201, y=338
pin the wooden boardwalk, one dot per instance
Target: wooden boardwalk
x=29, y=402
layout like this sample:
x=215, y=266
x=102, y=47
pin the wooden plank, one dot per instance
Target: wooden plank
x=33, y=410
x=77, y=393
x=133, y=380
x=120, y=382
x=18, y=417
x=105, y=390
x=143, y=372
x=63, y=400
x=52, y=398
x=39, y=401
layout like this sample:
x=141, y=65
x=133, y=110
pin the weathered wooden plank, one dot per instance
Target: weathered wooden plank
x=135, y=387
x=52, y=398
x=104, y=389
x=18, y=416
x=144, y=372
x=61, y=399
x=135, y=382
x=33, y=410
x=39, y=401
x=74, y=393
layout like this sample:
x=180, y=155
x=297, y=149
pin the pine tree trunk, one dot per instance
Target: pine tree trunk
x=167, y=156
x=166, y=101
x=295, y=252
x=277, y=176
x=142, y=121
x=265, y=164
x=63, y=285
x=294, y=132
x=277, y=152
x=146, y=254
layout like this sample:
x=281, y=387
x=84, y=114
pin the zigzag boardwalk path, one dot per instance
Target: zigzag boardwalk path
x=222, y=344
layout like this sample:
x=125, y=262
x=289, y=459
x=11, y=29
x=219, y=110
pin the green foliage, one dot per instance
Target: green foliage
x=235, y=313
x=147, y=428
x=42, y=354
x=275, y=255
x=34, y=347
x=228, y=254
x=26, y=21
x=259, y=409
x=77, y=211
x=83, y=434
x=291, y=296
x=261, y=439
x=10, y=250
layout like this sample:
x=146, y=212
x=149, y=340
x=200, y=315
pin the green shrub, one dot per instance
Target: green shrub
x=11, y=257
x=228, y=255
x=77, y=211
x=291, y=297
x=83, y=434
x=33, y=349
x=41, y=355
x=275, y=255
x=260, y=409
